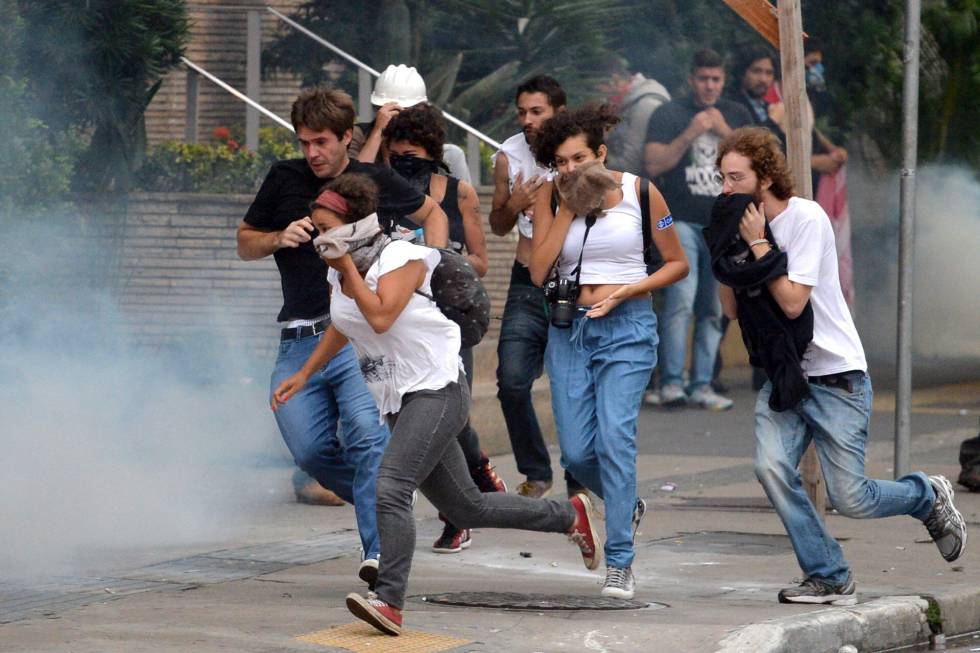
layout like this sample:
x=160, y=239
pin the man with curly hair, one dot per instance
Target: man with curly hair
x=836, y=410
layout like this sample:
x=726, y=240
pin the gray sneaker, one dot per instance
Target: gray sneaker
x=707, y=398
x=815, y=591
x=619, y=584
x=945, y=523
x=672, y=396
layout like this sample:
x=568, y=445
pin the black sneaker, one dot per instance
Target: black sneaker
x=639, y=510
x=945, y=523
x=814, y=590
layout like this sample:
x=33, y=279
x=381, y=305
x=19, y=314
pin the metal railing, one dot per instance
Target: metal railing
x=365, y=78
x=473, y=135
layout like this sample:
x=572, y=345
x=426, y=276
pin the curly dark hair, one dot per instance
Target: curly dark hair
x=764, y=150
x=420, y=125
x=361, y=194
x=593, y=120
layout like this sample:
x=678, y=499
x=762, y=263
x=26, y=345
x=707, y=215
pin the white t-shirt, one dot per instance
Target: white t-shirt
x=614, y=249
x=421, y=349
x=804, y=232
x=521, y=160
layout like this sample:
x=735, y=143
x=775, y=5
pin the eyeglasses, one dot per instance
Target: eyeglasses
x=732, y=177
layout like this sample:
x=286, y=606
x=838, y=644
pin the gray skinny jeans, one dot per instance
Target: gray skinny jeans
x=423, y=453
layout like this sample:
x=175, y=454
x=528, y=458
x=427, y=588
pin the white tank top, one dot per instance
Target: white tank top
x=614, y=250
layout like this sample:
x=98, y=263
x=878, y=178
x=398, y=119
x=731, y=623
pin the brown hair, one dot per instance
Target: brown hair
x=322, y=108
x=361, y=194
x=591, y=120
x=765, y=153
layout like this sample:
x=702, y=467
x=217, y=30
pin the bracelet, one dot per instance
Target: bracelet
x=760, y=241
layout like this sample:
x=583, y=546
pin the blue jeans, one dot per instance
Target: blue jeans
x=695, y=296
x=837, y=422
x=599, y=369
x=347, y=464
x=520, y=355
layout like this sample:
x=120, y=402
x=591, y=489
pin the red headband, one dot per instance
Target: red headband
x=332, y=201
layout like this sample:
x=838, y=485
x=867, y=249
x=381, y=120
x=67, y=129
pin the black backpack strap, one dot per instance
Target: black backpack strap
x=645, y=219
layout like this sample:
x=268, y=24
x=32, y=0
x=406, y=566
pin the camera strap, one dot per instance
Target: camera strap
x=589, y=221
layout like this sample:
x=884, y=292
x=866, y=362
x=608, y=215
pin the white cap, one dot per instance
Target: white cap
x=399, y=84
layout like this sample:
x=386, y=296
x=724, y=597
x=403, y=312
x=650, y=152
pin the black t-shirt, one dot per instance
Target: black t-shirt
x=285, y=197
x=691, y=187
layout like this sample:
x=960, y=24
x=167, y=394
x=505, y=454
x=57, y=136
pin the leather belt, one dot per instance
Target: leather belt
x=843, y=380
x=294, y=333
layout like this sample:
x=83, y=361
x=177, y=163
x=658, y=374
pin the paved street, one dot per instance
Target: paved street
x=711, y=558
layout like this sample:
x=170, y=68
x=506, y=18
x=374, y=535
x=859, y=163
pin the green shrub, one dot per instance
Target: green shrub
x=222, y=166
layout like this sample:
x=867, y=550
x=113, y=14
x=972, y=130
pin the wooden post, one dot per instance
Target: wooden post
x=799, y=130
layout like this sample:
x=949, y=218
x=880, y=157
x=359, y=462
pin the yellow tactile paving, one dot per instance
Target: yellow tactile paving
x=362, y=638
x=948, y=399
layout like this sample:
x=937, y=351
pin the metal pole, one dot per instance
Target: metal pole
x=473, y=159
x=364, y=67
x=906, y=236
x=238, y=94
x=191, y=111
x=253, y=78
x=365, y=112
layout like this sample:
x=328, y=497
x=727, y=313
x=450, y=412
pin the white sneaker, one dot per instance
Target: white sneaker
x=651, y=398
x=707, y=398
x=672, y=396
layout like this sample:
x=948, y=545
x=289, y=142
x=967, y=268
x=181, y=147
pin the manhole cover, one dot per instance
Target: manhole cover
x=727, y=542
x=515, y=601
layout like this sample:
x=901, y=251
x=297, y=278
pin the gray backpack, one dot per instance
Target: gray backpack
x=627, y=141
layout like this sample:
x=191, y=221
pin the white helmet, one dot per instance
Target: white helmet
x=401, y=85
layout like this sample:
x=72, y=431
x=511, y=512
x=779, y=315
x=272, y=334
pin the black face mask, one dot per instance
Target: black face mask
x=414, y=169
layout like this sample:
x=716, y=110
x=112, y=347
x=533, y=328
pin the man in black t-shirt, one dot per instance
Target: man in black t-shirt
x=278, y=224
x=680, y=152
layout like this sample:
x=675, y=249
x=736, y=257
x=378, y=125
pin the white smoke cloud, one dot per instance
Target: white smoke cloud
x=105, y=446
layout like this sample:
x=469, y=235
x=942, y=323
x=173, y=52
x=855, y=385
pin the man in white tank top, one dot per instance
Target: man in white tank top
x=836, y=414
x=517, y=177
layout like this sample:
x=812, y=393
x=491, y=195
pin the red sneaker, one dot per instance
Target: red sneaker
x=583, y=531
x=376, y=612
x=486, y=478
x=452, y=540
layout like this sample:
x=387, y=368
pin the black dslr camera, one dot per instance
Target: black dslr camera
x=561, y=295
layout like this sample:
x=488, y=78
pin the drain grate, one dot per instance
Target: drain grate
x=517, y=601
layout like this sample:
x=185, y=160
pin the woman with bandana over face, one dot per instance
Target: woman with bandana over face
x=414, y=141
x=602, y=342
x=409, y=355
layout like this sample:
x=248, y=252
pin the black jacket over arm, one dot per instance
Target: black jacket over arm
x=775, y=342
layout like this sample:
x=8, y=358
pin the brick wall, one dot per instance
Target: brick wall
x=180, y=276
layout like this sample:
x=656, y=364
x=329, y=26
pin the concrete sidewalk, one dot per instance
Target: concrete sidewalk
x=711, y=557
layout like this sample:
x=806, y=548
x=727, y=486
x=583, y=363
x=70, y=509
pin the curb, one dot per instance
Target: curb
x=888, y=622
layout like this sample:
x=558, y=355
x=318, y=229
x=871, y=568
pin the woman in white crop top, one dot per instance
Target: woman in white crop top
x=409, y=354
x=600, y=365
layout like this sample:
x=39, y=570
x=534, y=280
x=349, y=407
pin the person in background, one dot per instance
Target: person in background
x=414, y=141
x=399, y=87
x=517, y=180
x=681, y=147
